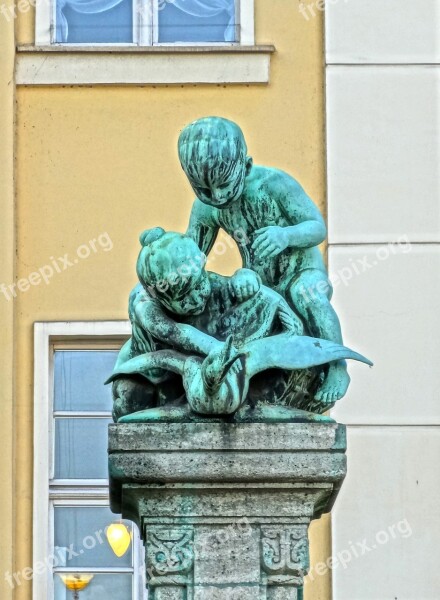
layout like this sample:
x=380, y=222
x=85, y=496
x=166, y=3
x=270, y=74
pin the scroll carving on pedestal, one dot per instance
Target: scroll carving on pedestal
x=285, y=554
x=170, y=556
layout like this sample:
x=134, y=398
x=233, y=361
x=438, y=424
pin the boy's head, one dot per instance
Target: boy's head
x=212, y=152
x=172, y=265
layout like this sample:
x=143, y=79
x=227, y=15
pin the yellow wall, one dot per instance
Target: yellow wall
x=7, y=254
x=95, y=160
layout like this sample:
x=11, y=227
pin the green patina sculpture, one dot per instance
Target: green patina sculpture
x=263, y=344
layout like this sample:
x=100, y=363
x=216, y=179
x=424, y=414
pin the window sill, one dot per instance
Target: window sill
x=134, y=65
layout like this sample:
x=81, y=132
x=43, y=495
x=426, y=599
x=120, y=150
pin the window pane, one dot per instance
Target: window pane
x=79, y=379
x=190, y=21
x=101, y=587
x=94, y=21
x=82, y=531
x=81, y=448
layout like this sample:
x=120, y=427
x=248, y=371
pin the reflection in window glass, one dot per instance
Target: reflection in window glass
x=79, y=380
x=81, y=448
x=83, y=530
x=189, y=21
x=94, y=21
x=108, y=567
x=101, y=587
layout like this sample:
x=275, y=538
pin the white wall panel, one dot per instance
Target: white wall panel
x=383, y=153
x=383, y=31
x=389, y=503
x=388, y=300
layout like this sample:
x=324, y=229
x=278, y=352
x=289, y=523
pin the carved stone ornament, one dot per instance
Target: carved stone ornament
x=170, y=557
x=285, y=554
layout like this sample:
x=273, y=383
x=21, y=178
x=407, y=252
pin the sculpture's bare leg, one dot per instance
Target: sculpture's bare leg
x=132, y=391
x=131, y=394
x=310, y=295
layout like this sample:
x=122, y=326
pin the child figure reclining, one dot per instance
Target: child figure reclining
x=189, y=322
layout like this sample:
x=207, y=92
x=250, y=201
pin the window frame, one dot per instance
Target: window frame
x=144, y=30
x=47, y=492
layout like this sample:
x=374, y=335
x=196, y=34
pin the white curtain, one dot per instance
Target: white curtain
x=85, y=7
x=197, y=8
x=210, y=8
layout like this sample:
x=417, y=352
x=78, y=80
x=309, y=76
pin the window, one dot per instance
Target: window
x=79, y=544
x=132, y=42
x=145, y=22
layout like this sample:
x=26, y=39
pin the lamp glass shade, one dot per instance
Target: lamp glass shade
x=119, y=538
x=76, y=582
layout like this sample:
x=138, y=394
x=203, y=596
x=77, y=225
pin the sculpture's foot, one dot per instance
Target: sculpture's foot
x=271, y=413
x=335, y=384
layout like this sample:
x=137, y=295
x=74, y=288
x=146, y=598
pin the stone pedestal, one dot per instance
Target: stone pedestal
x=224, y=509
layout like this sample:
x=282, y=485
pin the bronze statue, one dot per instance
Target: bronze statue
x=262, y=344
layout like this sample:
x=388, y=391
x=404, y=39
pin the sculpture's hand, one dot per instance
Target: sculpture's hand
x=244, y=284
x=270, y=241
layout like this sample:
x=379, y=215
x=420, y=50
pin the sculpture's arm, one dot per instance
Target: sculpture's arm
x=306, y=227
x=123, y=355
x=202, y=227
x=181, y=336
x=289, y=352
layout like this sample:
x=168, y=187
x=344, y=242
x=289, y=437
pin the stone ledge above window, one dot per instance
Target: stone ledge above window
x=134, y=65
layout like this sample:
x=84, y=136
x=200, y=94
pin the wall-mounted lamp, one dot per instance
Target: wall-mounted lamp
x=76, y=582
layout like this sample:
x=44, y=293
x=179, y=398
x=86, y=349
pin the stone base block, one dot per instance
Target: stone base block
x=224, y=509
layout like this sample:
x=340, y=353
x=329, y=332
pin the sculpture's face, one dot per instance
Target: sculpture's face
x=192, y=301
x=221, y=186
x=212, y=152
